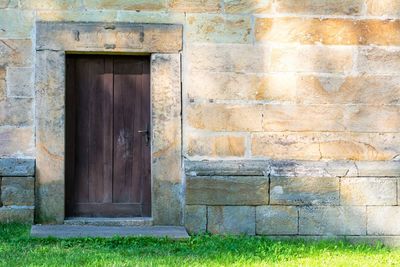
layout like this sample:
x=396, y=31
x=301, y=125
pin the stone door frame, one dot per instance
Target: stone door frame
x=164, y=43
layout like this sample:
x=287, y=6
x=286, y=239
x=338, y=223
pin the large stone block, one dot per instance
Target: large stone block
x=304, y=191
x=328, y=59
x=332, y=220
x=216, y=146
x=320, y=7
x=16, y=112
x=326, y=146
x=16, y=52
x=16, y=215
x=193, y=6
x=227, y=57
x=383, y=8
x=8, y=3
x=16, y=23
x=20, y=82
x=375, y=169
x=50, y=4
x=17, y=141
x=383, y=220
x=108, y=16
x=150, y=17
x=17, y=191
x=17, y=166
x=328, y=31
x=379, y=60
x=231, y=220
x=218, y=28
x=220, y=117
x=276, y=220
x=196, y=219
x=368, y=191
x=248, y=6
x=227, y=190
x=125, y=4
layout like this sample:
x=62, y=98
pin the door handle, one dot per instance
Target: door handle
x=146, y=133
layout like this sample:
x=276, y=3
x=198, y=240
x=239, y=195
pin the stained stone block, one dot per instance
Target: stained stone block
x=16, y=215
x=17, y=191
x=16, y=52
x=304, y=191
x=17, y=166
x=16, y=112
x=227, y=190
x=276, y=220
x=20, y=82
x=15, y=23
x=332, y=220
x=383, y=220
x=248, y=6
x=231, y=220
x=196, y=219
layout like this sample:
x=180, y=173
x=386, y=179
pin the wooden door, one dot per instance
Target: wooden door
x=107, y=136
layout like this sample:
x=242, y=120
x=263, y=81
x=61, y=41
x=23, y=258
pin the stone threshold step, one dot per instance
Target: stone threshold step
x=134, y=221
x=77, y=231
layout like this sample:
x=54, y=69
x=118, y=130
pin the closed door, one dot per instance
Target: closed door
x=107, y=136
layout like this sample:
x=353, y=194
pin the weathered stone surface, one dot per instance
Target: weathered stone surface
x=383, y=220
x=247, y=6
x=383, y=8
x=304, y=191
x=16, y=215
x=227, y=190
x=227, y=168
x=320, y=7
x=375, y=169
x=50, y=4
x=276, y=220
x=125, y=4
x=109, y=16
x=8, y=3
x=328, y=31
x=16, y=52
x=216, y=146
x=20, y=82
x=17, y=166
x=220, y=117
x=49, y=196
x=167, y=193
x=150, y=17
x=193, y=6
x=332, y=221
x=328, y=59
x=15, y=23
x=115, y=37
x=17, y=191
x=227, y=57
x=218, y=28
x=16, y=112
x=3, y=85
x=17, y=141
x=368, y=191
x=326, y=146
x=231, y=220
x=378, y=60
x=196, y=219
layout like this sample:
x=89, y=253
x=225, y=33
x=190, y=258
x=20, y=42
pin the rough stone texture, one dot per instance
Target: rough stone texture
x=247, y=6
x=216, y=146
x=17, y=191
x=368, y=191
x=196, y=219
x=227, y=190
x=326, y=146
x=304, y=191
x=8, y=3
x=17, y=141
x=320, y=7
x=125, y=4
x=166, y=140
x=276, y=220
x=16, y=53
x=383, y=220
x=218, y=28
x=385, y=8
x=16, y=112
x=16, y=215
x=332, y=220
x=325, y=59
x=17, y=166
x=378, y=60
x=20, y=82
x=3, y=85
x=113, y=37
x=50, y=4
x=15, y=23
x=231, y=220
x=192, y=6
x=375, y=169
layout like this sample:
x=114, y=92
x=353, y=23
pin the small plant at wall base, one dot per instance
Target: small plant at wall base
x=18, y=249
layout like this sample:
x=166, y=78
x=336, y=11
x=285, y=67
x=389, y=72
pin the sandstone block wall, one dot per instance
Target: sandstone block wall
x=17, y=193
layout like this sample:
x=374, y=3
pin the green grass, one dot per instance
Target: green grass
x=18, y=249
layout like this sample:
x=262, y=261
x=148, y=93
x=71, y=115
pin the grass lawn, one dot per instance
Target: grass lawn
x=18, y=249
